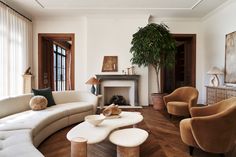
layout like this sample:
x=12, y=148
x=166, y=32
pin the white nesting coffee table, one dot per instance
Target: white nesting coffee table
x=90, y=134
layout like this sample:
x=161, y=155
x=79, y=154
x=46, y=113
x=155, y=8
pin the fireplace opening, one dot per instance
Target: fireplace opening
x=125, y=85
x=118, y=100
x=118, y=95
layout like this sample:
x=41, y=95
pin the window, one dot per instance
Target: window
x=15, y=51
x=59, y=68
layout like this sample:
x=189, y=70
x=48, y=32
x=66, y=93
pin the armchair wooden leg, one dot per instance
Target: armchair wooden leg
x=191, y=150
x=222, y=155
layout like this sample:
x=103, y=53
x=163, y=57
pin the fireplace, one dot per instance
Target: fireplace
x=118, y=100
x=121, y=85
x=116, y=92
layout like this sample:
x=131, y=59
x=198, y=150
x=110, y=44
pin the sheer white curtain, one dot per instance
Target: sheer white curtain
x=15, y=51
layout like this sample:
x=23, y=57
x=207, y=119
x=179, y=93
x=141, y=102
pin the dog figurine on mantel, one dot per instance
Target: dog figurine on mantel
x=111, y=110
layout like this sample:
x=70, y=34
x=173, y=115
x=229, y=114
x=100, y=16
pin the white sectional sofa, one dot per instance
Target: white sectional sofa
x=22, y=130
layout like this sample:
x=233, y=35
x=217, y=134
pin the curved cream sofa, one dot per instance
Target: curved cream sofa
x=22, y=130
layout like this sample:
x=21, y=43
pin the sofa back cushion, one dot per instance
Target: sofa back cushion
x=14, y=105
x=62, y=97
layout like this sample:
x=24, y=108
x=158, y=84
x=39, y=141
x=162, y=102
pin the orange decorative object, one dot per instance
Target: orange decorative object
x=93, y=81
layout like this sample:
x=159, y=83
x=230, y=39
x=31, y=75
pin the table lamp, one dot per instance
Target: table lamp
x=93, y=81
x=214, y=71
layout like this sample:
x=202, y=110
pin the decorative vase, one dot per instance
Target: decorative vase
x=93, y=89
x=157, y=100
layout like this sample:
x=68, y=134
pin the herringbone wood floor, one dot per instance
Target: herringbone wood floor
x=163, y=141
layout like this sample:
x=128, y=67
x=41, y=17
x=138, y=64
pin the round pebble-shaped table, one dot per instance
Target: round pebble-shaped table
x=128, y=141
x=86, y=133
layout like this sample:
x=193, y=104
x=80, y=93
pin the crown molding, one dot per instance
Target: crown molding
x=213, y=12
x=196, y=4
x=167, y=19
x=39, y=3
x=124, y=8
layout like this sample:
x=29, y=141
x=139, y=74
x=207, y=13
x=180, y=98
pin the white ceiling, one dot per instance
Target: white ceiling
x=156, y=8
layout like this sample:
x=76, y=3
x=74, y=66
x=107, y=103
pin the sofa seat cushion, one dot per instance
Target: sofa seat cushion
x=21, y=150
x=178, y=108
x=75, y=107
x=35, y=120
x=9, y=138
x=17, y=143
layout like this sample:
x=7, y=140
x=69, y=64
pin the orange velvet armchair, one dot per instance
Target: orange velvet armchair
x=181, y=100
x=211, y=128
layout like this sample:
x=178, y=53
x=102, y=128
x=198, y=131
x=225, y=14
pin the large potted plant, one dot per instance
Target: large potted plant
x=154, y=46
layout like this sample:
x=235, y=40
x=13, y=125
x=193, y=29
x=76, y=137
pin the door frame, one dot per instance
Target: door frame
x=193, y=70
x=56, y=36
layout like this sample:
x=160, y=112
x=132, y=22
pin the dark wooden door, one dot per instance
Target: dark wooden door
x=46, y=59
x=183, y=73
x=47, y=63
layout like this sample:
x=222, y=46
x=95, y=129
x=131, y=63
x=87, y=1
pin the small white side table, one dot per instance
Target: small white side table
x=128, y=141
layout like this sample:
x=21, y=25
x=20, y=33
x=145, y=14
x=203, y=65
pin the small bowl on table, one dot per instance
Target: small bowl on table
x=94, y=119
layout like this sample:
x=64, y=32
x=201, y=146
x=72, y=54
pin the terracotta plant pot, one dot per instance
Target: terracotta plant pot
x=157, y=100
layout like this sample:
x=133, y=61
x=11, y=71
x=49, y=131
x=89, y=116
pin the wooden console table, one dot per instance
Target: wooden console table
x=216, y=94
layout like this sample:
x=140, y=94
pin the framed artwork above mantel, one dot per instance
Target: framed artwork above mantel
x=110, y=64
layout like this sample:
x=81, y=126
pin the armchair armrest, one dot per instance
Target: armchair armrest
x=211, y=109
x=192, y=101
x=170, y=97
x=203, y=111
x=215, y=133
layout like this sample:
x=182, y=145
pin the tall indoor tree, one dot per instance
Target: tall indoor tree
x=153, y=45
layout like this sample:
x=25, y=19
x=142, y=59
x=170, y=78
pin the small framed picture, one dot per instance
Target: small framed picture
x=110, y=64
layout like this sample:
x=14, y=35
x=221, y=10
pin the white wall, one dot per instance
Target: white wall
x=111, y=36
x=77, y=25
x=95, y=37
x=184, y=26
x=211, y=31
x=215, y=27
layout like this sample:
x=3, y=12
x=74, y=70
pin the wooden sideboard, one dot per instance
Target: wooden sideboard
x=216, y=94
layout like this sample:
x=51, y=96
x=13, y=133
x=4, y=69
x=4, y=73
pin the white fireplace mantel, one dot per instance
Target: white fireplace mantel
x=111, y=87
x=130, y=81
